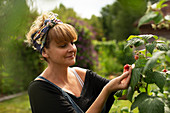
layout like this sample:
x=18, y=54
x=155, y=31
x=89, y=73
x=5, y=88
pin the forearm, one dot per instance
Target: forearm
x=98, y=104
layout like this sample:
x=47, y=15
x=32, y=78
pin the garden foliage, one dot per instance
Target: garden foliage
x=112, y=57
x=86, y=55
x=150, y=68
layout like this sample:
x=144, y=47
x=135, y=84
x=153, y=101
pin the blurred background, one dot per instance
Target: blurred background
x=102, y=25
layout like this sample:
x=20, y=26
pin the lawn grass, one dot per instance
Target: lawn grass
x=16, y=105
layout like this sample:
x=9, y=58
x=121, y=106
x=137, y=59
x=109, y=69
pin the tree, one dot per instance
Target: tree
x=118, y=18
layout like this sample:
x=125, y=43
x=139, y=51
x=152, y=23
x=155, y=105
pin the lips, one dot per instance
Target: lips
x=70, y=56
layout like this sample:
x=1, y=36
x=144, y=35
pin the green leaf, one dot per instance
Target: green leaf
x=148, y=104
x=162, y=46
x=168, y=53
x=151, y=105
x=133, y=36
x=147, y=18
x=150, y=47
x=125, y=109
x=136, y=72
x=147, y=36
x=119, y=93
x=158, y=18
x=134, y=41
x=160, y=79
x=130, y=93
x=160, y=4
x=152, y=61
x=140, y=63
x=138, y=100
x=149, y=77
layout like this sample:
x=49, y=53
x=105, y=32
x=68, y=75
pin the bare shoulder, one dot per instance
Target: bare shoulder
x=81, y=72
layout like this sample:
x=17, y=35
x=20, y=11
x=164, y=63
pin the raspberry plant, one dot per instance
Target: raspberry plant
x=148, y=68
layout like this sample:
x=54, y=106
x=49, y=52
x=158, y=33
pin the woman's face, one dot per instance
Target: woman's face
x=61, y=54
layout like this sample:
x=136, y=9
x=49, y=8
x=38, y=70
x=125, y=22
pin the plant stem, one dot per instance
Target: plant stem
x=145, y=51
x=146, y=88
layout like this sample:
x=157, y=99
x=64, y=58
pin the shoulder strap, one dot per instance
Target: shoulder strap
x=75, y=106
x=78, y=77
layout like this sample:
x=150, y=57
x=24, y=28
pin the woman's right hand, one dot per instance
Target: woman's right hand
x=120, y=82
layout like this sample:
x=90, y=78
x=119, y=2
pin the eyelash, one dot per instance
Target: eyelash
x=63, y=46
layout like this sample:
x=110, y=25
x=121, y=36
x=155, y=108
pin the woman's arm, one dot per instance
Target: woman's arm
x=113, y=85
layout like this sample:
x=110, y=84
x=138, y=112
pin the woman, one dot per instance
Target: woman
x=59, y=88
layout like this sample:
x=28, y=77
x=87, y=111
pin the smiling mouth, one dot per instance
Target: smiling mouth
x=71, y=56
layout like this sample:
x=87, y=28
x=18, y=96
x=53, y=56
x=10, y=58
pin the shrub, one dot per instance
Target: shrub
x=86, y=55
x=112, y=57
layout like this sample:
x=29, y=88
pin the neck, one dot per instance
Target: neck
x=57, y=74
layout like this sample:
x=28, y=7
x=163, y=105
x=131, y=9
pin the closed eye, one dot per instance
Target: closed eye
x=63, y=46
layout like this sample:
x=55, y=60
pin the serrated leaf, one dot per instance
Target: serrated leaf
x=135, y=77
x=138, y=100
x=152, y=61
x=162, y=46
x=148, y=104
x=147, y=36
x=140, y=63
x=149, y=77
x=160, y=79
x=151, y=105
x=134, y=41
x=150, y=47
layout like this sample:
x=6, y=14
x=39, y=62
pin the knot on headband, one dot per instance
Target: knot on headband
x=39, y=37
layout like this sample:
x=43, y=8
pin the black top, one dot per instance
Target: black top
x=46, y=98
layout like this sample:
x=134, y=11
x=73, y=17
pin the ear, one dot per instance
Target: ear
x=45, y=53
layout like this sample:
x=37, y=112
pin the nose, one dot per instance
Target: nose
x=72, y=47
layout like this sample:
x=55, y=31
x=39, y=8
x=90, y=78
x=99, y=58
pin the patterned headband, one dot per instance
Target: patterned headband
x=39, y=37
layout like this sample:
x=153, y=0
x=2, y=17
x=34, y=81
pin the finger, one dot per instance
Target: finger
x=129, y=76
x=124, y=75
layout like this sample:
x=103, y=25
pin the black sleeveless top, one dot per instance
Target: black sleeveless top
x=45, y=98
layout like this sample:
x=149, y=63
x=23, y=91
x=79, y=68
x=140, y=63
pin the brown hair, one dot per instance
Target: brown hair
x=61, y=32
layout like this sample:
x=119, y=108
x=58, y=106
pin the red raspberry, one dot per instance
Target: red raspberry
x=126, y=67
x=164, y=70
x=136, y=57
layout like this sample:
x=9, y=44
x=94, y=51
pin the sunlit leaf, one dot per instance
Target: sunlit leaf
x=134, y=41
x=162, y=46
x=148, y=36
x=132, y=36
x=147, y=18
x=152, y=61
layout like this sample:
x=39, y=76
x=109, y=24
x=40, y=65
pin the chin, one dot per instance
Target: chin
x=72, y=63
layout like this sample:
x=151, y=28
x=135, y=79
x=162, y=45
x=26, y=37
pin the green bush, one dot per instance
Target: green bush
x=20, y=66
x=112, y=57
